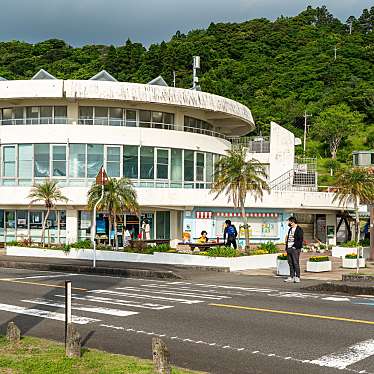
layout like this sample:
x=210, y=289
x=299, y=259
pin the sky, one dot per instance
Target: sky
x=81, y=22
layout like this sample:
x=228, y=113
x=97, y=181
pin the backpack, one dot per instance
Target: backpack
x=231, y=230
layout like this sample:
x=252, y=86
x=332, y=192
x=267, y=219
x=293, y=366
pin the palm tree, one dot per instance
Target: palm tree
x=49, y=192
x=119, y=196
x=235, y=176
x=355, y=186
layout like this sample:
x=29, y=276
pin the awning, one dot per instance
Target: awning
x=257, y=214
x=204, y=215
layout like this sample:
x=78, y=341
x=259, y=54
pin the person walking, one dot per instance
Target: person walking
x=294, y=243
x=231, y=234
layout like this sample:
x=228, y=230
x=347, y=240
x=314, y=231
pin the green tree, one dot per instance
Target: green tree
x=50, y=194
x=235, y=176
x=335, y=124
x=119, y=197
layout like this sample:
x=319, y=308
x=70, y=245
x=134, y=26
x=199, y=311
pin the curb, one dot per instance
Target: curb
x=131, y=273
x=357, y=278
x=343, y=288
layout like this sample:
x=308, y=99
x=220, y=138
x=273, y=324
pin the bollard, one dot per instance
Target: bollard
x=13, y=333
x=161, y=357
x=73, y=342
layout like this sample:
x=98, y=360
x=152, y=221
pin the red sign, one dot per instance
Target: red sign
x=102, y=177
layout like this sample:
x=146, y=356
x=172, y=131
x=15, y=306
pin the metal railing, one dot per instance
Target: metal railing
x=255, y=144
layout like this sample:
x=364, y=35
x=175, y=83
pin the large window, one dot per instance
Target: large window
x=25, y=161
x=101, y=115
x=130, y=161
x=113, y=161
x=85, y=115
x=196, y=125
x=95, y=159
x=59, y=160
x=41, y=160
x=115, y=116
x=176, y=165
x=162, y=163
x=144, y=118
x=77, y=160
x=188, y=165
x=162, y=225
x=146, y=163
x=9, y=161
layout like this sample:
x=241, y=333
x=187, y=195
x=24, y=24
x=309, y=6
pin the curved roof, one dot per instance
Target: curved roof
x=232, y=117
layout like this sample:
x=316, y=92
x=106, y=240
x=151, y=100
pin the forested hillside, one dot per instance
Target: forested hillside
x=279, y=69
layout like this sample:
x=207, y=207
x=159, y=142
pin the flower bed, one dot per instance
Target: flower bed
x=318, y=264
x=282, y=265
x=350, y=261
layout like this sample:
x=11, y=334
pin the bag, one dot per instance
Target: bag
x=231, y=231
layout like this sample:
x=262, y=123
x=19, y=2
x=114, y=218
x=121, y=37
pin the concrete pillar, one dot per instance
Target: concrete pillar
x=71, y=226
x=331, y=226
x=175, y=225
x=73, y=112
x=179, y=120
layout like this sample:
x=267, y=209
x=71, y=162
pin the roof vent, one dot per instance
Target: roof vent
x=42, y=74
x=103, y=76
x=159, y=81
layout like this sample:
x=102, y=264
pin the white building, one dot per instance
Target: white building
x=164, y=139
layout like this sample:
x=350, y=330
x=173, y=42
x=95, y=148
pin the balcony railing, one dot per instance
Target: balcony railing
x=255, y=144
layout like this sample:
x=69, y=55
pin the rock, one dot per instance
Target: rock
x=13, y=333
x=161, y=357
x=73, y=342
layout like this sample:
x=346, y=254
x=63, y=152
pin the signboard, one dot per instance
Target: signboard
x=102, y=177
x=100, y=226
x=330, y=231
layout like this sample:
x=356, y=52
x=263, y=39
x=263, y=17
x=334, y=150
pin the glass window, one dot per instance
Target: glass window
x=25, y=161
x=46, y=114
x=188, y=165
x=115, y=116
x=7, y=116
x=52, y=220
x=95, y=159
x=144, y=118
x=162, y=225
x=36, y=219
x=200, y=168
x=62, y=219
x=18, y=115
x=176, y=165
x=1, y=221
x=157, y=120
x=61, y=113
x=101, y=115
x=86, y=115
x=162, y=163
x=131, y=118
x=130, y=161
x=146, y=163
x=59, y=161
x=32, y=115
x=209, y=167
x=41, y=160
x=22, y=219
x=10, y=219
x=9, y=161
x=77, y=162
x=113, y=161
x=371, y=158
x=169, y=120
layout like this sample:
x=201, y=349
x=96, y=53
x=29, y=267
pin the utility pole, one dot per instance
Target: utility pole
x=196, y=65
x=305, y=128
x=335, y=52
x=173, y=78
x=350, y=24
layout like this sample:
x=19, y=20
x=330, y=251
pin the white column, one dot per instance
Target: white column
x=331, y=222
x=174, y=229
x=71, y=226
x=73, y=111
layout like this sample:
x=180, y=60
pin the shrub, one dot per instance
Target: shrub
x=269, y=247
x=351, y=243
x=258, y=252
x=365, y=242
x=82, y=244
x=352, y=255
x=282, y=256
x=223, y=252
x=319, y=258
x=157, y=248
x=14, y=243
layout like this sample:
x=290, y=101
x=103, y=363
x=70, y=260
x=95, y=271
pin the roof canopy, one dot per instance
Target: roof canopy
x=159, y=81
x=42, y=74
x=103, y=76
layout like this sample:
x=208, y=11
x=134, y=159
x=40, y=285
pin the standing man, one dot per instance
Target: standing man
x=294, y=243
x=231, y=234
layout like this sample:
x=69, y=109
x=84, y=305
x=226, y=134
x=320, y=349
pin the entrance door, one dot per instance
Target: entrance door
x=132, y=224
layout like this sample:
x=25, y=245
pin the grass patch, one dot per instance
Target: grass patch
x=40, y=356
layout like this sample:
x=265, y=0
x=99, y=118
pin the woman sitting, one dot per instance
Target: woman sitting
x=203, y=237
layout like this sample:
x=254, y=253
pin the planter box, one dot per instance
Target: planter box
x=318, y=267
x=351, y=263
x=231, y=263
x=342, y=251
x=282, y=267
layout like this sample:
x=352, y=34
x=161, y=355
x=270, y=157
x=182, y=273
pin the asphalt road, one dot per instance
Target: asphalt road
x=218, y=323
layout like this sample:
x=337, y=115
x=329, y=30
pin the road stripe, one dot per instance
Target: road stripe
x=45, y=276
x=336, y=298
x=41, y=284
x=107, y=300
x=183, y=288
x=142, y=296
x=45, y=314
x=284, y=312
x=84, y=308
x=349, y=356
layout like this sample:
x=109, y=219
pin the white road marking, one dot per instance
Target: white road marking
x=87, y=308
x=107, y=300
x=349, y=356
x=174, y=293
x=336, y=298
x=138, y=296
x=45, y=314
x=46, y=276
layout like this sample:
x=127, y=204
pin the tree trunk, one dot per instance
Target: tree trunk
x=115, y=231
x=44, y=225
x=110, y=228
x=245, y=221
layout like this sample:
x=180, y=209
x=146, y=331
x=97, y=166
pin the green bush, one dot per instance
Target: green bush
x=82, y=244
x=258, y=252
x=282, y=256
x=269, y=247
x=365, y=242
x=351, y=243
x=319, y=258
x=157, y=248
x=223, y=252
x=352, y=255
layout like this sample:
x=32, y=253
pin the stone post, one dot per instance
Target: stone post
x=13, y=333
x=161, y=357
x=73, y=342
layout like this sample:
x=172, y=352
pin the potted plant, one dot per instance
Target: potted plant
x=282, y=265
x=318, y=264
x=350, y=261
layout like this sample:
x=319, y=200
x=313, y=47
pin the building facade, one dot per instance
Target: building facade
x=165, y=139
